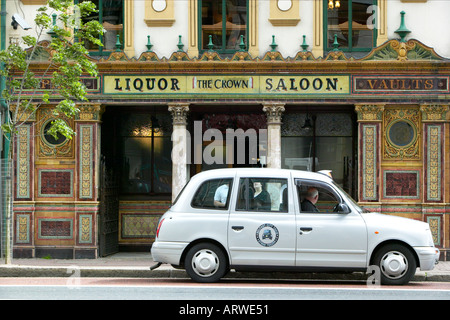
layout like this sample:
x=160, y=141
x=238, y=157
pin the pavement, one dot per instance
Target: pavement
x=137, y=265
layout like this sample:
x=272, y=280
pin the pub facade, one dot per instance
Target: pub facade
x=292, y=82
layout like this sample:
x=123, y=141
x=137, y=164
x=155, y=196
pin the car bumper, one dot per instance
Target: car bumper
x=428, y=257
x=168, y=252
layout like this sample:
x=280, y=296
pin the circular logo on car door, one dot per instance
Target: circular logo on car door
x=267, y=235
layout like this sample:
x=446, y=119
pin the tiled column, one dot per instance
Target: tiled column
x=23, y=191
x=179, y=147
x=435, y=168
x=274, y=112
x=87, y=124
x=369, y=146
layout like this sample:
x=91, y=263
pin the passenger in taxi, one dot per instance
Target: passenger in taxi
x=309, y=203
x=261, y=197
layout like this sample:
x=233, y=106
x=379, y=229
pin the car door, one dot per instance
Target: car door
x=261, y=229
x=328, y=238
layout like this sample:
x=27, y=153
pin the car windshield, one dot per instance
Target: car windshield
x=354, y=203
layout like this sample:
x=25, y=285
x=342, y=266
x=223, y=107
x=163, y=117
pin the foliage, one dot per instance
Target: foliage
x=67, y=61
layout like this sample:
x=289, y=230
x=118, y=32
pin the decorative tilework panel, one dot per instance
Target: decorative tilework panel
x=23, y=163
x=22, y=228
x=85, y=162
x=85, y=228
x=55, y=228
x=369, y=162
x=55, y=183
x=434, y=163
x=138, y=226
x=435, y=227
x=401, y=184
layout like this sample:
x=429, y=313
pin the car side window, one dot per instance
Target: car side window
x=213, y=194
x=262, y=194
x=316, y=197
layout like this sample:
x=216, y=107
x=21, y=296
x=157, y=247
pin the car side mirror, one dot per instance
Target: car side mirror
x=342, y=208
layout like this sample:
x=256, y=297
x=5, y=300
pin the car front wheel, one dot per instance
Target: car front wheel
x=397, y=264
x=206, y=262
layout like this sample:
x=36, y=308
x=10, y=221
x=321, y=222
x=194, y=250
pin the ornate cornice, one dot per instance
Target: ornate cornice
x=392, y=56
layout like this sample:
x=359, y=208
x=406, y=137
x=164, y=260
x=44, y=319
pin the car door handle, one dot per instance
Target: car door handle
x=305, y=229
x=237, y=228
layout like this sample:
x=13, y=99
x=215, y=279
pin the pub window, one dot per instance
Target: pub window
x=223, y=22
x=110, y=16
x=146, y=166
x=353, y=22
x=323, y=141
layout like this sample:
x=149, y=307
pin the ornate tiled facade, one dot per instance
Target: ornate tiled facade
x=401, y=140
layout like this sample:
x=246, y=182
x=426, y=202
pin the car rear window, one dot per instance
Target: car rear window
x=213, y=194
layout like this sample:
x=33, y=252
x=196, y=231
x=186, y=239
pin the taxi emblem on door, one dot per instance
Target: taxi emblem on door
x=267, y=235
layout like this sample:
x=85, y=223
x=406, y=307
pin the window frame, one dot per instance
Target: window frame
x=222, y=181
x=101, y=52
x=246, y=183
x=301, y=182
x=350, y=16
x=221, y=51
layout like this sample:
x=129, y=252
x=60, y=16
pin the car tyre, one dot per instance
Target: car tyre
x=206, y=262
x=397, y=264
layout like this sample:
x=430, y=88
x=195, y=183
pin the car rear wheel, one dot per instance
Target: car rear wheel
x=206, y=262
x=397, y=264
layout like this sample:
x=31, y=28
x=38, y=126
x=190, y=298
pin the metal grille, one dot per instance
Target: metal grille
x=5, y=204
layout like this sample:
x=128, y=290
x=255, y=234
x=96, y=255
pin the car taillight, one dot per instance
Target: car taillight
x=159, y=227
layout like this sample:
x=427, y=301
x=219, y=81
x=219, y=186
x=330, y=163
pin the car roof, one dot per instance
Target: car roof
x=263, y=172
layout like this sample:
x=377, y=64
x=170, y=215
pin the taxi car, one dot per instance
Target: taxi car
x=250, y=219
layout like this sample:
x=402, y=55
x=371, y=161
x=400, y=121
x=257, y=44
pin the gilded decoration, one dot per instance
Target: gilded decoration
x=434, y=160
x=403, y=51
x=394, y=50
x=433, y=112
x=23, y=162
x=369, y=163
x=49, y=150
x=401, y=134
x=369, y=112
x=86, y=161
x=89, y=112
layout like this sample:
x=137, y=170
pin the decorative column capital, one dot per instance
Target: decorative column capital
x=433, y=112
x=369, y=112
x=90, y=112
x=179, y=113
x=274, y=112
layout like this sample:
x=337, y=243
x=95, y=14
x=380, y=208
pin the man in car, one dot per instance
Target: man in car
x=309, y=203
x=221, y=195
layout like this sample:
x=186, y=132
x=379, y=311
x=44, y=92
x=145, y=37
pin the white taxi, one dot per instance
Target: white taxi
x=275, y=219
